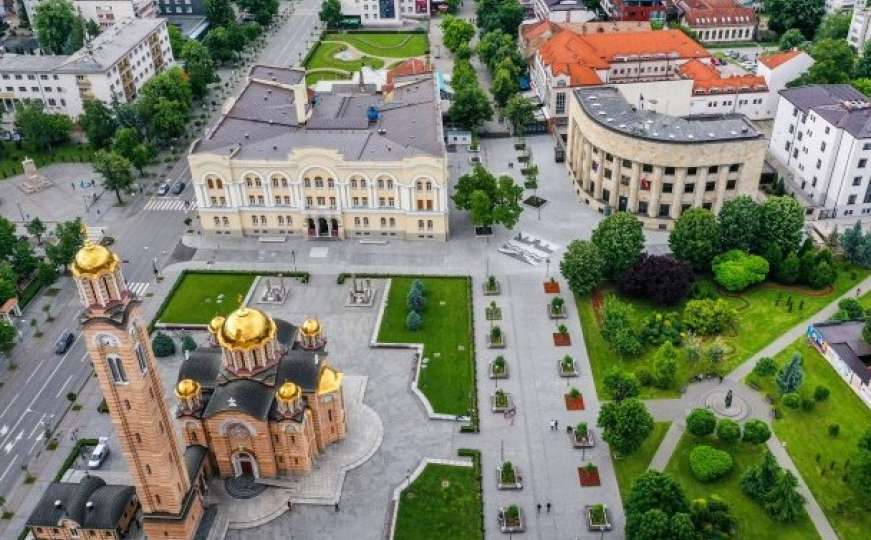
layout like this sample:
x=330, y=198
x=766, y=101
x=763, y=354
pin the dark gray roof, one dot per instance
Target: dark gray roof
x=251, y=397
x=607, y=107
x=846, y=340
x=109, y=502
x=839, y=104
x=203, y=365
x=301, y=367
x=277, y=74
x=262, y=123
x=193, y=459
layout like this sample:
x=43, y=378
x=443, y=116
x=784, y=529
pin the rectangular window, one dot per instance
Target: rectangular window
x=692, y=171
x=734, y=167
x=648, y=168
x=642, y=207
x=116, y=368
x=667, y=187
x=141, y=359
x=669, y=171
x=851, y=199
x=560, y=103
x=710, y=186
x=866, y=146
x=713, y=169
x=664, y=210
x=862, y=163
x=730, y=184
x=857, y=180
x=689, y=188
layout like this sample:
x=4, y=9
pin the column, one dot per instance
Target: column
x=634, y=185
x=655, y=192
x=701, y=179
x=270, y=198
x=677, y=193
x=614, y=194
x=721, y=188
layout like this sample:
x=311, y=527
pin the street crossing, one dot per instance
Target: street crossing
x=166, y=204
x=138, y=287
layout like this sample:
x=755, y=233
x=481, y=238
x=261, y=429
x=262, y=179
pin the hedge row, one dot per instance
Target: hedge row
x=476, y=466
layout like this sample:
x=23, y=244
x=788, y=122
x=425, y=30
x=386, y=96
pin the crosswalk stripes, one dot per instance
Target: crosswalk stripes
x=161, y=204
x=138, y=287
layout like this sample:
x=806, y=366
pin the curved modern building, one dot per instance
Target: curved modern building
x=624, y=158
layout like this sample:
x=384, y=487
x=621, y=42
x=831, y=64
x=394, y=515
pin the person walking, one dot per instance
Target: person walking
x=538, y=508
x=556, y=424
x=548, y=508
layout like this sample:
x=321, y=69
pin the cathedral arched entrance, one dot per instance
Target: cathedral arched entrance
x=244, y=464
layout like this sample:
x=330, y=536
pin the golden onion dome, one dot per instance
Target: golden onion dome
x=186, y=388
x=311, y=327
x=216, y=324
x=93, y=259
x=329, y=380
x=246, y=328
x=288, y=391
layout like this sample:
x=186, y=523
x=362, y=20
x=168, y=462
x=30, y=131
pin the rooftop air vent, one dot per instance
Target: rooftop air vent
x=89, y=505
x=58, y=503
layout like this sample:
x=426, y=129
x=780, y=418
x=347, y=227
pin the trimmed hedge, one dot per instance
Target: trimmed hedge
x=73, y=455
x=476, y=465
x=709, y=464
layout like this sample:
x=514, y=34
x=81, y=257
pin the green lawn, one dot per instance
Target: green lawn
x=444, y=502
x=324, y=57
x=805, y=436
x=195, y=299
x=11, y=156
x=760, y=321
x=629, y=468
x=447, y=379
x=317, y=76
x=752, y=520
x=390, y=44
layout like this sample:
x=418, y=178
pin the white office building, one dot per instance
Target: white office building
x=385, y=12
x=860, y=26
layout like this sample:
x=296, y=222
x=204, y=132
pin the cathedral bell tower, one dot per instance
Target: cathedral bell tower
x=117, y=341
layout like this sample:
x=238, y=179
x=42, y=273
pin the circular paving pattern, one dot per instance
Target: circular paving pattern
x=716, y=401
x=243, y=487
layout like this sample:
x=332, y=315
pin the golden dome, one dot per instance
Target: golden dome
x=288, y=391
x=216, y=324
x=93, y=259
x=311, y=327
x=245, y=328
x=186, y=388
x=329, y=380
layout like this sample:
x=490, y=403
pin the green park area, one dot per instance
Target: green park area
x=388, y=44
x=443, y=502
x=11, y=156
x=446, y=375
x=751, y=519
x=200, y=296
x=822, y=453
x=373, y=50
x=630, y=467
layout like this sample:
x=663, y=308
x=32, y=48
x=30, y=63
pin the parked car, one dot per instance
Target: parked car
x=64, y=342
x=163, y=189
x=178, y=187
x=474, y=160
x=99, y=454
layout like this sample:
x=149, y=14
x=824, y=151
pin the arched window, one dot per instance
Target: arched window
x=274, y=181
x=354, y=183
x=330, y=183
x=210, y=183
x=380, y=183
x=418, y=185
x=429, y=186
x=307, y=182
x=219, y=184
x=319, y=182
x=116, y=369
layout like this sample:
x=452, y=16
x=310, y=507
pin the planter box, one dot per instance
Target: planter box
x=589, y=477
x=496, y=344
x=511, y=527
x=551, y=287
x=474, y=148
x=520, y=146
x=603, y=523
x=588, y=442
x=502, y=375
x=574, y=404
x=494, y=314
x=563, y=373
x=518, y=480
x=535, y=201
x=562, y=340
x=483, y=231
x=561, y=314
x=499, y=409
x=494, y=291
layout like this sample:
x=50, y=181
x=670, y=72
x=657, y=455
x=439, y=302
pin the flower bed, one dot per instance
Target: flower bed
x=493, y=312
x=492, y=287
x=511, y=519
x=496, y=339
x=574, y=400
x=556, y=308
x=500, y=401
x=583, y=439
x=589, y=475
x=509, y=477
x=552, y=286
x=597, y=518
x=498, y=368
x=562, y=340
x=567, y=367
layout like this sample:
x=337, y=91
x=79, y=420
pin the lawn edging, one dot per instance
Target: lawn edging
x=471, y=461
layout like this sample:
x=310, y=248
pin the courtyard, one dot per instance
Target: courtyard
x=200, y=296
x=339, y=55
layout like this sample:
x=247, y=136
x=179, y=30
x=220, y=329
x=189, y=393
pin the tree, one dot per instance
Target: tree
x=456, y=32
x=620, y=240
x=127, y=144
x=836, y=25
x=862, y=84
x=866, y=330
x=115, y=170
x=665, y=366
x=781, y=224
x=582, y=266
x=652, y=490
x=172, y=85
x=852, y=309
x=791, y=39
x=756, y=432
x=708, y=317
x=695, y=238
x=661, y=279
x=7, y=336
x=503, y=87
x=98, y=122
x=765, y=367
x=470, y=108
x=625, y=424
x=21, y=11
x=758, y=479
x=168, y=121
x=39, y=128
x=23, y=259
x=711, y=518
x=176, y=39
x=55, y=22
x=162, y=345
x=833, y=63
x=805, y=15
x=789, y=269
x=69, y=238
x=791, y=376
x=701, y=422
x=856, y=244
x=199, y=66
x=621, y=385
x=7, y=288
x=739, y=223
x=415, y=301
x=736, y=270
x=708, y=463
x=331, y=13
x=46, y=273
x=495, y=46
x=219, y=12
x=617, y=328
x=863, y=64
x=488, y=199
x=36, y=228
x=728, y=431
x=413, y=321
x=782, y=502
x=520, y=112
x=860, y=472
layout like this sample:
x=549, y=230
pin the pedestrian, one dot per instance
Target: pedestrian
x=556, y=424
x=551, y=425
x=858, y=291
x=74, y=185
x=337, y=507
x=538, y=508
x=548, y=508
x=289, y=505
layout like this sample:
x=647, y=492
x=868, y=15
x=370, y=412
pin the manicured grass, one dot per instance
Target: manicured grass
x=447, y=379
x=761, y=318
x=391, y=44
x=317, y=76
x=324, y=57
x=630, y=467
x=11, y=156
x=195, y=299
x=443, y=502
x=751, y=519
x=805, y=435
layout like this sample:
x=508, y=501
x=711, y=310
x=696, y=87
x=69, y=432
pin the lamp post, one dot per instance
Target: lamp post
x=547, y=262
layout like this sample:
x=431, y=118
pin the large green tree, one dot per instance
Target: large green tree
x=781, y=224
x=55, y=21
x=783, y=502
x=36, y=228
x=470, y=108
x=456, y=32
x=802, y=14
x=625, y=424
x=652, y=490
x=504, y=86
x=8, y=336
x=835, y=25
x=488, y=199
x=520, y=112
x=115, y=170
x=177, y=39
x=582, y=266
x=739, y=223
x=620, y=240
x=331, y=13
x=40, y=129
x=98, y=122
x=219, y=12
x=69, y=238
x=791, y=39
x=863, y=64
x=833, y=63
x=695, y=238
x=199, y=66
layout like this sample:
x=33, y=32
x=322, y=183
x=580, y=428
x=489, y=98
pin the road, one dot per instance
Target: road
x=33, y=395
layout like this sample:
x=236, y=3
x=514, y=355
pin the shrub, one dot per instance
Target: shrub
x=414, y=321
x=709, y=317
x=728, y=430
x=704, y=290
x=756, y=432
x=736, y=270
x=701, y=422
x=851, y=309
x=71, y=396
x=658, y=328
x=188, y=343
x=162, y=345
x=808, y=404
x=617, y=327
x=645, y=378
x=791, y=376
x=765, y=367
x=414, y=301
x=661, y=279
x=792, y=400
x=621, y=384
x=708, y=464
x=665, y=366
x=834, y=430
x=821, y=393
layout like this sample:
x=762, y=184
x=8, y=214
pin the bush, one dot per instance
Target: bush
x=704, y=290
x=834, y=430
x=792, y=400
x=645, y=378
x=658, y=328
x=765, y=367
x=617, y=327
x=188, y=343
x=701, y=422
x=414, y=301
x=414, y=321
x=736, y=270
x=661, y=279
x=756, y=432
x=821, y=393
x=851, y=309
x=708, y=464
x=162, y=345
x=808, y=404
x=709, y=317
x=728, y=430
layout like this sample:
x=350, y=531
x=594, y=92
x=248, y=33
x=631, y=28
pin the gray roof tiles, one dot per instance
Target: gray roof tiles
x=109, y=502
x=277, y=74
x=839, y=104
x=846, y=339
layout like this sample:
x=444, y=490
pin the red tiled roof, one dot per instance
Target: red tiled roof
x=707, y=79
x=412, y=66
x=716, y=13
x=532, y=31
x=773, y=60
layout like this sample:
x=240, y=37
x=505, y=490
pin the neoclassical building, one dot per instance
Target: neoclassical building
x=623, y=158
x=263, y=400
x=347, y=163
